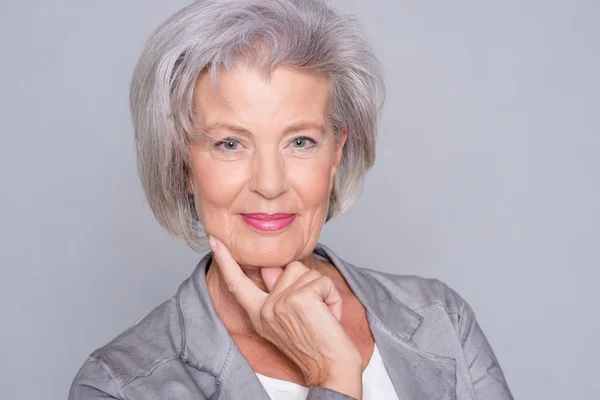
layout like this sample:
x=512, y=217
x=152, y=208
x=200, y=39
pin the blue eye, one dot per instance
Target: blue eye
x=299, y=142
x=227, y=145
x=303, y=142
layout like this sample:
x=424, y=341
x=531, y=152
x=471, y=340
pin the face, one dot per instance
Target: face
x=264, y=168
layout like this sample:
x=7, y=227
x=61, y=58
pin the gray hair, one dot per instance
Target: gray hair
x=210, y=36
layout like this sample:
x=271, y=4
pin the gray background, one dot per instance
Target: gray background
x=487, y=178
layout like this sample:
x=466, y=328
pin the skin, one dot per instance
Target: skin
x=269, y=148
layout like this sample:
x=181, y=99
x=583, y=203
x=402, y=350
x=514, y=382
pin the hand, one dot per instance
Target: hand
x=301, y=316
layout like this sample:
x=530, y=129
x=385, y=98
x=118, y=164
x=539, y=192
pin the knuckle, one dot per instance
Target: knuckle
x=280, y=308
x=295, y=300
x=312, y=275
x=266, y=313
x=326, y=280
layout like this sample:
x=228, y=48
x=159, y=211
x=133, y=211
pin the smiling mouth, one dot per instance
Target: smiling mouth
x=268, y=222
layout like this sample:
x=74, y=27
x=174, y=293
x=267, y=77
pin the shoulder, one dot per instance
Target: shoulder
x=148, y=344
x=151, y=341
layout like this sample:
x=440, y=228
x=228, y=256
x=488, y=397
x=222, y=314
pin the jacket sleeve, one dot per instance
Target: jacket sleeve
x=321, y=393
x=486, y=375
x=94, y=382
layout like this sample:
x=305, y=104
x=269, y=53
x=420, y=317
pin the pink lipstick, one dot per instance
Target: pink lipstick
x=268, y=222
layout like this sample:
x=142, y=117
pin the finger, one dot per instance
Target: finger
x=292, y=272
x=270, y=276
x=324, y=289
x=243, y=289
x=308, y=276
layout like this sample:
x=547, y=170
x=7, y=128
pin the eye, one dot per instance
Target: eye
x=228, y=145
x=303, y=142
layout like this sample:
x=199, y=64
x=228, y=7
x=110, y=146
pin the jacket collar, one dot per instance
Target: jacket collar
x=207, y=345
x=376, y=298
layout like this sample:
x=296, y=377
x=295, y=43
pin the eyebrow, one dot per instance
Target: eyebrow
x=298, y=127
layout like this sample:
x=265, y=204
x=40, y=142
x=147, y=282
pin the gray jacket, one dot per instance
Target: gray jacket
x=430, y=343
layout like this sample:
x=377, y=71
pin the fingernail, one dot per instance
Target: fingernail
x=212, y=243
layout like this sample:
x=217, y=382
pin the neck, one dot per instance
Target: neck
x=231, y=313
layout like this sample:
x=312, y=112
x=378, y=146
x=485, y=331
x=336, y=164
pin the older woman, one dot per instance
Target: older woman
x=255, y=122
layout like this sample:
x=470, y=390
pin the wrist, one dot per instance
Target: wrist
x=350, y=387
x=346, y=380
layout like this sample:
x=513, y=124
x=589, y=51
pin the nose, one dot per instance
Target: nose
x=268, y=175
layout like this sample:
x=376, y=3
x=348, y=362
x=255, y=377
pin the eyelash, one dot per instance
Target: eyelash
x=218, y=145
x=225, y=141
x=312, y=142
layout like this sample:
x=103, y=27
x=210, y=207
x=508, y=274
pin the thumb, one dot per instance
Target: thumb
x=270, y=276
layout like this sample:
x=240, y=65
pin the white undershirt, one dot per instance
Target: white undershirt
x=376, y=383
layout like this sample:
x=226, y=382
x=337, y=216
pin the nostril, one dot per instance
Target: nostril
x=268, y=176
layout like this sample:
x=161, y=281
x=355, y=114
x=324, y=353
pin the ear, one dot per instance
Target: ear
x=339, y=151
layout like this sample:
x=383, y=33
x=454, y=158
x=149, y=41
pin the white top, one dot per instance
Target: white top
x=376, y=383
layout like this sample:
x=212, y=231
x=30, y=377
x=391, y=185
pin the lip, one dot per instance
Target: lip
x=268, y=222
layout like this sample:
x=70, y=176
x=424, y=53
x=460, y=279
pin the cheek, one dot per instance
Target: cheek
x=217, y=185
x=312, y=181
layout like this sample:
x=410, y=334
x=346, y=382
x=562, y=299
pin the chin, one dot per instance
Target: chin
x=269, y=251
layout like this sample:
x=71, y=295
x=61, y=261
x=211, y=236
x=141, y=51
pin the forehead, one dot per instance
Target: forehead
x=246, y=96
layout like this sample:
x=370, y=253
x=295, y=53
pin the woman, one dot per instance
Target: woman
x=255, y=122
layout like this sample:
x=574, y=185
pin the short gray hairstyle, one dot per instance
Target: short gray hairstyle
x=211, y=36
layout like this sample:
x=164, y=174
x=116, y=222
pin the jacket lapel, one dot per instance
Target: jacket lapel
x=208, y=346
x=415, y=374
x=238, y=380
